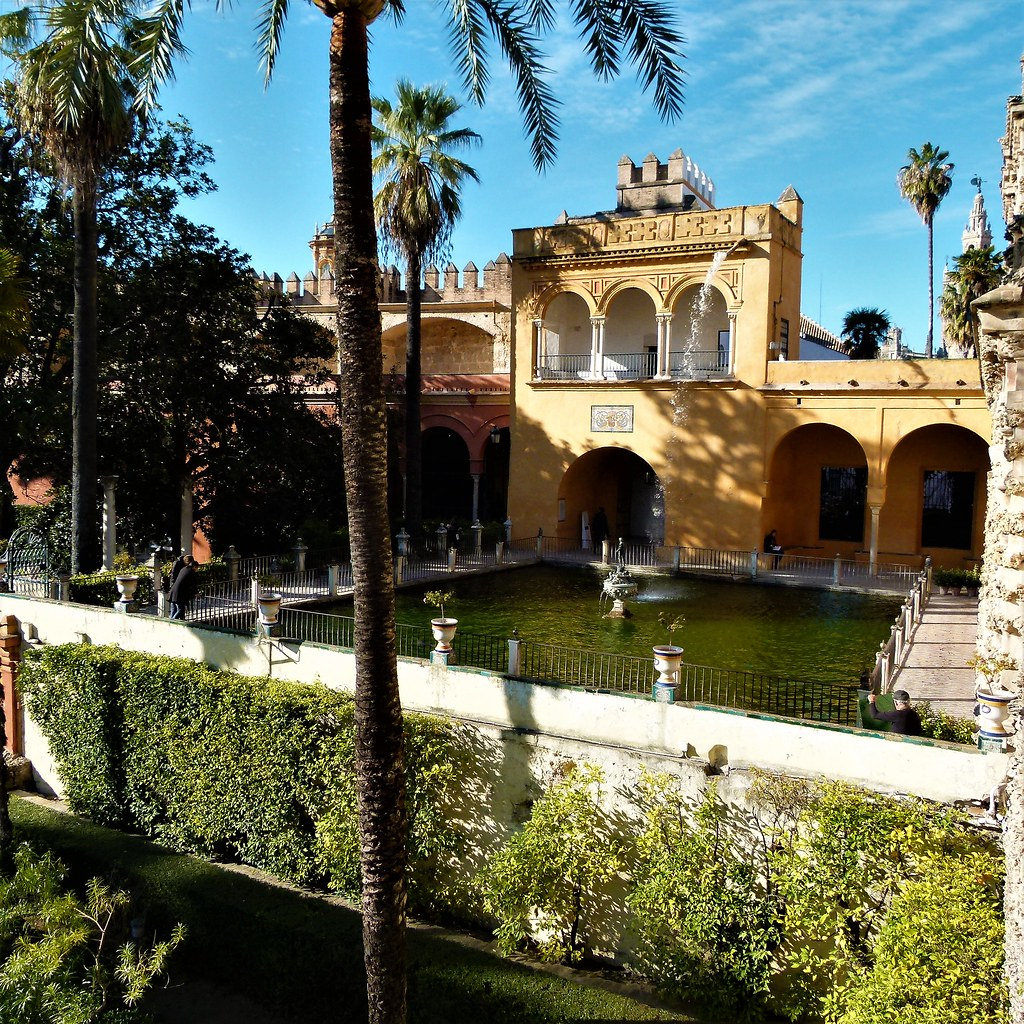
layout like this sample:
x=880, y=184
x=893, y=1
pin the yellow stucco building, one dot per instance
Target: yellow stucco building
x=656, y=373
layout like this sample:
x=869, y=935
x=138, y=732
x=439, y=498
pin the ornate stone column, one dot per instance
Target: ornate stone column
x=539, y=348
x=873, y=548
x=664, y=368
x=597, y=347
x=731, y=314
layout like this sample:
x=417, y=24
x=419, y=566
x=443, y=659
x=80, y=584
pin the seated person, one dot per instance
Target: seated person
x=904, y=719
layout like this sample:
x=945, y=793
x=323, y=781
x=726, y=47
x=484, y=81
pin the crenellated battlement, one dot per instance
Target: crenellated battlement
x=654, y=185
x=494, y=284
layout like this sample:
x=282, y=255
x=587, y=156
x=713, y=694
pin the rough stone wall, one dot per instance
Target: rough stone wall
x=1001, y=611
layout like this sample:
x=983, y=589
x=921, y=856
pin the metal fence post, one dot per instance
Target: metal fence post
x=299, y=551
x=540, y=542
x=232, y=558
x=753, y=564
x=499, y=552
x=478, y=534
x=453, y=556
x=332, y=580
x=837, y=569
x=675, y=559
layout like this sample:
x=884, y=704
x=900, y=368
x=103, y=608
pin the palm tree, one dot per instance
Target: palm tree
x=13, y=307
x=418, y=203
x=615, y=31
x=864, y=331
x=925, y=180
x=78, y=89
x=975, y=272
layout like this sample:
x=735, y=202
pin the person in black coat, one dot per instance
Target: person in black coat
x=904, y=719
x=184, y=588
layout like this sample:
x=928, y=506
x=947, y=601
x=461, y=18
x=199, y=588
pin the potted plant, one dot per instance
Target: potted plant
x=972, y=582
x=443, y=628
x=269, y=602
x=126, y=586
x=943, y=579
x=667, y=659
x=993, y=698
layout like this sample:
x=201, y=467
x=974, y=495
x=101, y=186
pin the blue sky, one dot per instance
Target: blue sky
x=824, y=96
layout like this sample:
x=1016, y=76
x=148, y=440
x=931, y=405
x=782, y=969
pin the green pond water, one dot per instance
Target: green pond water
x=787, y=631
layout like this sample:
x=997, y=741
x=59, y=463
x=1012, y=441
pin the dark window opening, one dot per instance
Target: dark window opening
x=947, y=511
x=843, y=497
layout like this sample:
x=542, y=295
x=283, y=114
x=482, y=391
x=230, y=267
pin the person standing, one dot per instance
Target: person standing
x=184, y=587
x=903, y=719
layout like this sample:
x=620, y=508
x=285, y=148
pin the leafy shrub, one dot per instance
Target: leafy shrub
x=705, y=918
x=941, y=725
x=545, y=880
x=939, y=952
x=227, y=766
x=66, y=960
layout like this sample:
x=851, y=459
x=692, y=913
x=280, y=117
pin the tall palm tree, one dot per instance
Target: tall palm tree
x=864, y=331
x=417, y=205
x=637, y=32
x=975, y=272
x=78, y=88
x=924, y=181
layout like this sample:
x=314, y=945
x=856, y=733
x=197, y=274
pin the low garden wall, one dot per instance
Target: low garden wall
x=560, y=721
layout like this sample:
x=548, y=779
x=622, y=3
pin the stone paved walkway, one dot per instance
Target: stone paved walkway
x=936, y=666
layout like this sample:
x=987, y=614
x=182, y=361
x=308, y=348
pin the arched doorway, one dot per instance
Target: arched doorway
x=447, y=484
x=621, y=483
x=935, y=494
x=817, y=491
x=700, y=333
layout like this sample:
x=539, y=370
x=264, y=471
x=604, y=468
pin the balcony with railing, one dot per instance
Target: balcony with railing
x=692, y=364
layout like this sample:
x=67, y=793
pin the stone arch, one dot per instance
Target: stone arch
x=553, y=292
x=698, y=333
x=447, y=483
x=817, y=491
x=719, y=283
x=621, y=482
x=631, y=331
x=935, y=494
x=565, y=349
x=447, y=345
x=615, y=290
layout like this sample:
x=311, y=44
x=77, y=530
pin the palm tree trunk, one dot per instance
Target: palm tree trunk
x=380, y=769
x=413, y=377
x=931, y=290
x=85, y=546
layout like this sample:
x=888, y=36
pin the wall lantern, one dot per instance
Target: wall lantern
x=495, y=435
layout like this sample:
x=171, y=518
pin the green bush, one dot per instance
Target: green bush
x=228, y=766
x=706, y=921
x=941, y=725
x=71, y=960
x=544, y=883
x=939, y=952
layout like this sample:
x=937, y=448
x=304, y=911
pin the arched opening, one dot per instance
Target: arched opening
x=630, y=336
x=935, y=494
x=623, y=485
x=446, y=346
x=565, y=347
x=817, y=491
x=447, y=484
x=494, y=484
x=700, y=333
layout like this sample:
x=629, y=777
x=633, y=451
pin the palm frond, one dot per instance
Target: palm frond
x=467, y=34
x=155, y=41
x=655, y=52
x=521, y=48
x=269, y=29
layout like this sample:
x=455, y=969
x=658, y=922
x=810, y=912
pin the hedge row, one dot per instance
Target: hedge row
x=226, y=766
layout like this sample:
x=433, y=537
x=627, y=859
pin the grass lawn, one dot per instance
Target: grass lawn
x=299, y=955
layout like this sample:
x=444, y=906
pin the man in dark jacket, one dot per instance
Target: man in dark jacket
x=904, y=719
x=184, y=587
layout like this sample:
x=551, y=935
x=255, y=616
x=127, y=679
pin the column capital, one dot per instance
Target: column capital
x=732, y=314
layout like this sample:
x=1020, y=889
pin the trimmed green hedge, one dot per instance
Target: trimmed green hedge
x=100, y=588
x=227, y=766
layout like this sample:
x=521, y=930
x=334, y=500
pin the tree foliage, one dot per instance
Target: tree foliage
x=544, y=883
x=864, y=331
x=974, y=272
x=924, y=181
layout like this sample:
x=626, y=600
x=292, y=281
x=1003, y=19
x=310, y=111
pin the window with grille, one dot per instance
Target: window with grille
x=843, y=496
x=947, y=509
